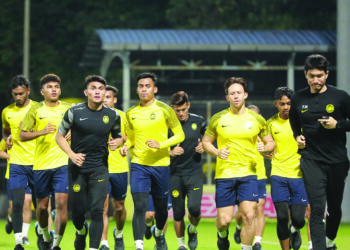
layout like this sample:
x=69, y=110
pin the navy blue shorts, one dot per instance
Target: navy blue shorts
x=262, y=189
x=20, y=177
x=50, y=180
x=230, y=192
x=118, y=185
x=9, y=195
x=151, y=180
x=291, y=190
x=150, y=205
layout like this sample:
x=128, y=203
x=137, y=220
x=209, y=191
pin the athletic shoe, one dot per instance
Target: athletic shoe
x=39, y=236
x=104, y=247
x=182, y=248
x=237, y=236
x=8, y=226
x=25, y=241
x=160, y=240
x=19, y=247
x=80, y=240
x=256, y=246
x=295, y=239
x=118, y=242
x=223, y=243
x=332, y=248
x=192, y=239
x=45, y=245
x=56, y=248
x=148, y=232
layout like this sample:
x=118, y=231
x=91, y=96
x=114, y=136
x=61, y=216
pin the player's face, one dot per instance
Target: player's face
x=96, y=92
x=51, y=91
x=181, y=111
x=109, y=100
x=146, y=89
x=20, y=94
x=317, y=80
x=236, y=95
x=283, y=106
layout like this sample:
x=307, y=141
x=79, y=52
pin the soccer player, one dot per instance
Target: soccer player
x=149, y=122
x=186, y=173
x=50, y=162
x=90, y=123
x=236, y=130
x=319, y=117
x=22, y=154
x=287, y=185
x=118, y=180
x=260, y=216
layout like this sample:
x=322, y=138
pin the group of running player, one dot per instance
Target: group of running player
x=57, y=150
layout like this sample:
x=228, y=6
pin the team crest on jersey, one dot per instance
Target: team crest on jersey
x=105, y=119
x=194, y=126
x=330, y=108
x=175, y=193
x=152, y=116
x=76, y=188
x=248, y=125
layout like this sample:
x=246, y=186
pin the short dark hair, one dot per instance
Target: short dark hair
x=95, y=78
x=233, y=80
x=18, y=81
x=254, y=107
x=283, y=91
x=179, y=98
x=147, y=75
x=49, y=78
x=316, y=61
x=112, y=88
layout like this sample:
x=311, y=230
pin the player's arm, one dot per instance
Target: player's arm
x=31, y=135
x=3, y=153
x=199, y=148
x=295, y=124
x=267, y=144
x=212, y=150
x=116, y=139
x=6, y=130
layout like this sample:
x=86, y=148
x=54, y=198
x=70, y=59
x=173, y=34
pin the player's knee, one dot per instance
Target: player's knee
x=298, y=223
x=179, y=215
x=194, y=211
x=283, y=231
x=283, y=217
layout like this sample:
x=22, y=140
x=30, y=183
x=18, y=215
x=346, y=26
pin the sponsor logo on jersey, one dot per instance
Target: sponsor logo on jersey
x=76, y=188
x=105, y=119
x=248, y=125
x=194, y=126
x=330, y=108
x=175, y=193
x=304, y=108
x=152, y=116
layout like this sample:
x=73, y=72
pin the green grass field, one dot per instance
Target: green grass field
x=206, y=237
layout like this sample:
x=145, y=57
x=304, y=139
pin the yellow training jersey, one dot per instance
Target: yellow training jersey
x=3, y=148
x=22, y=153
x=152, y=123
x=260, y=167
x=48, y=154
x=239, y=133
x=116, y=162
x=286, y=160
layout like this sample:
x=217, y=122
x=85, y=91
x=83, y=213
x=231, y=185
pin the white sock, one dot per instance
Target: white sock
x=329, y=242
x=158, y=232
x=46, y=234
x=292, y=229
x=105, y=242
x=223, y=234
x=257, y=239
x=18, y=238
x=238, y=227
x=310, y=244
x=9, y=217
x=181, y=241
x=57, y=240
x=192, y=228
x=245, y=247
x=118, y=233
x=139, y=244
x=93, y=248
x=25, y=228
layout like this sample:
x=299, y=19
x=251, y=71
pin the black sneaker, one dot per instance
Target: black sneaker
x=39, y=236
x=45, y=245
x=19, y=247
x=104, y=247
x=237, y=236
x=56, y=248
x=25, y=241
x=295, y=239
x=148, y=232
x=160, y=240
x=118, y=242
x=80, y=240
x=8, y=226
x=256, y=246
x=223, y=243
x=192, y=239
x=332, y=248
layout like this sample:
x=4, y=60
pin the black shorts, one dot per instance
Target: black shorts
x=182, y=186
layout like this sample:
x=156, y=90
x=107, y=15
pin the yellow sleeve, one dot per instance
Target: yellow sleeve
x=176, y=127
x=29, y=119
x=5, y=124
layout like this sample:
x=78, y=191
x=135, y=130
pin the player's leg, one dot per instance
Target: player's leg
x=308, y=212
x=238, y=230
x=194, y=186
x=149, y=217
x=260, y=215
x=119, y=185
x=316, y=183
x=27, y=215
x=104, y=239
x=98, y=189
x=280, y=196
x=336, y=182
